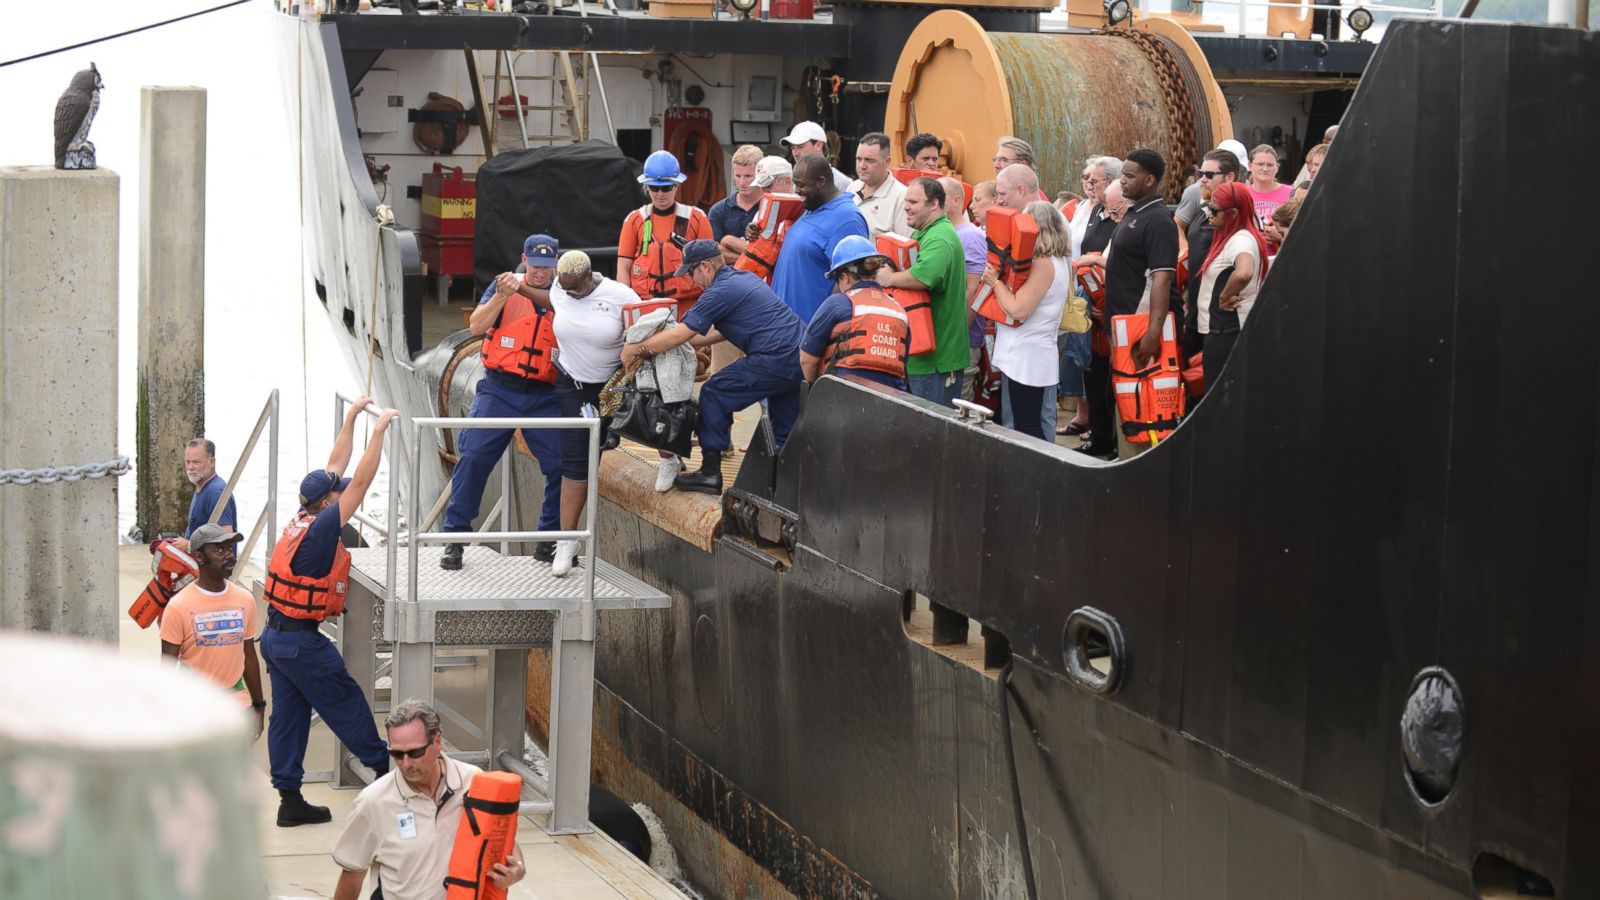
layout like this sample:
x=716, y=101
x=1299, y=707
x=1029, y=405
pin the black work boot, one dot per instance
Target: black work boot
x=708, y=480
x=294, y=810
x=451, y=560
x=545, y=551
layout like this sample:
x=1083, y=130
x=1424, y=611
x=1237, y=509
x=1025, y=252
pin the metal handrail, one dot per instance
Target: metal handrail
x=340, y=401
x=416, y=537
x=269, y=514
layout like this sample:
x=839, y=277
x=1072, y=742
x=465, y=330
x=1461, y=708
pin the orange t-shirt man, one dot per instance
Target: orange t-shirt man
x=210, y=631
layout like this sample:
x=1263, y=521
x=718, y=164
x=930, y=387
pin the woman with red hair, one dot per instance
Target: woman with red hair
x=1231, y=274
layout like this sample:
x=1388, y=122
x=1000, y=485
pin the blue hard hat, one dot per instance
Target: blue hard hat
x=662, y=168
x=851, y=249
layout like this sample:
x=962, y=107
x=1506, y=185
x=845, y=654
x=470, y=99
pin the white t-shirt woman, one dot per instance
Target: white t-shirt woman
x=1213, y=318
x=589, y=329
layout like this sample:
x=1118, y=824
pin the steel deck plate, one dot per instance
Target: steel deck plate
x=506, y=582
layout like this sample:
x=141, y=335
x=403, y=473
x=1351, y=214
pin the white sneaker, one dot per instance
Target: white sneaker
x=566, y=554
x=668, y=473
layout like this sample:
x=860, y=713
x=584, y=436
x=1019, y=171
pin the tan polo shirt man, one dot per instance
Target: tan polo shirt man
x=406, y=836
x=883, y=207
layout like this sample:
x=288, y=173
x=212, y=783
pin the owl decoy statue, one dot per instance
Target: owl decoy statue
x=74, y=114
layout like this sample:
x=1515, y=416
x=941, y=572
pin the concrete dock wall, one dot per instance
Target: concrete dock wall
x=58, y=398
x=172, y=281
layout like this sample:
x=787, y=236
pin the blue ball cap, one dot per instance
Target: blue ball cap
x=318, y=484
x=541, y=251
x=696, y=252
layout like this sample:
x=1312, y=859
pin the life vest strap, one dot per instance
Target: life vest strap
x=1132, y=428
x=471, y=805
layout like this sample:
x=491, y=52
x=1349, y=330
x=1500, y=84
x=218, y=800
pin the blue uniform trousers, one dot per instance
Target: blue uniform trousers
x=740, y=384
x=481, y=448
x=308, y=674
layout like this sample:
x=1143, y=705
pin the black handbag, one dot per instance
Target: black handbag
x=645, y=418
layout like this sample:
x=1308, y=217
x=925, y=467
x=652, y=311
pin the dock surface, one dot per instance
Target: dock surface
x=297, y=861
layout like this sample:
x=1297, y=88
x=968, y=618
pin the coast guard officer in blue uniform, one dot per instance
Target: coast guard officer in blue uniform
x=308, y=578
x=739, y=308
x=518, y=382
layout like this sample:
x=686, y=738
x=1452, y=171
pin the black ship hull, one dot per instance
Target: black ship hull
x=1211, y=646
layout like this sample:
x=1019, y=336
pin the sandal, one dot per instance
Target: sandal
x=1073, y=429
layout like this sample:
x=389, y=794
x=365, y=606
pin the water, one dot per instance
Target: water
x=263, y=328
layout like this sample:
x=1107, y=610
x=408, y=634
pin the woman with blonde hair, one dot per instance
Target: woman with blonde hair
x=1027, y=356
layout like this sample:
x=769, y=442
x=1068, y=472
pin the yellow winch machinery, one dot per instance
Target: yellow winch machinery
x=1071, y=95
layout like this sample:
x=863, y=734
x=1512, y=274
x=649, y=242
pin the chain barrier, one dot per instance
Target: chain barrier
x=54, y=474
x=1185, y=156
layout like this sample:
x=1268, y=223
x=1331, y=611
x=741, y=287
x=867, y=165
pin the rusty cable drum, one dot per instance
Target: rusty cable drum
x=1071, y=96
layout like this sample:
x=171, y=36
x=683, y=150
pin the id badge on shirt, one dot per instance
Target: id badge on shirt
x=408, y=825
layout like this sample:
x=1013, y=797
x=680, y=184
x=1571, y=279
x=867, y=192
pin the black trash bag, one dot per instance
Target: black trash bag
x=1431, y=731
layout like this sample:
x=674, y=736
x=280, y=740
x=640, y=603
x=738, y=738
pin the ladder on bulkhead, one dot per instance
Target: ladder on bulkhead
x=570, y=76
x=488, y=615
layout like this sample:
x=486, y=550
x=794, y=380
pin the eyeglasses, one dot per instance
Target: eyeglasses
x=1090, y=179
x=1209, y=210
x=1004, y=160
x=661, y=188
x=1208, y=175
x=413, y=753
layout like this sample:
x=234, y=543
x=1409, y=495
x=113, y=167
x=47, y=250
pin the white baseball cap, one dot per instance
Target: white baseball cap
x=805, y=131
x=770, y=169
x=1237, y=149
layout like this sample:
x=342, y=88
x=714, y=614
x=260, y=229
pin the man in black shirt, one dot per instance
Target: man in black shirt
x=1217, y=168
x=1143, y=260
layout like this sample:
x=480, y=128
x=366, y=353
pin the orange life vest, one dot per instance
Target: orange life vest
x=522, y=342
x=1092, y=279
x=485, y=836
x=1149, y=400
x=1194, y=375
x=660, y=256
x=1011, y=239
x=876, y=337
x=773, y=217
x=306, y=598
x=918, y=305
x=634, y=310
x=1180, y=279
x=172, y=569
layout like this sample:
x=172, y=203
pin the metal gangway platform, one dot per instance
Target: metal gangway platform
x=485, y=617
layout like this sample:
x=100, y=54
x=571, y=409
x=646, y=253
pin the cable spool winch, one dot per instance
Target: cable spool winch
x=1070, y=95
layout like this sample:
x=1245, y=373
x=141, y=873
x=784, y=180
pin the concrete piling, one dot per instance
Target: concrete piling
x=172, y=276
x=58, y=398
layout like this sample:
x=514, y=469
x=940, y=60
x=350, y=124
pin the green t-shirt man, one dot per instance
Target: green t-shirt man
x=941, y=265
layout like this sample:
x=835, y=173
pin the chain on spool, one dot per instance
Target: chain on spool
x=1180, y=124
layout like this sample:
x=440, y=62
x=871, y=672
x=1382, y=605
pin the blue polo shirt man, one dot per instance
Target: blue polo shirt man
x=200, y=465
x=801, y=275
x=739, y=308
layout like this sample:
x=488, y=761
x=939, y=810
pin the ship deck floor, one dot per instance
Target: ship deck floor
x=296, y=861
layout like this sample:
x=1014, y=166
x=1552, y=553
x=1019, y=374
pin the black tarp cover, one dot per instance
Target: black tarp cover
x=578, y=193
